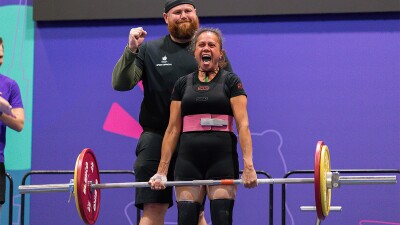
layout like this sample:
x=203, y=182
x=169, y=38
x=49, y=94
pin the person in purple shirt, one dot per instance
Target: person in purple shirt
x=11, y=115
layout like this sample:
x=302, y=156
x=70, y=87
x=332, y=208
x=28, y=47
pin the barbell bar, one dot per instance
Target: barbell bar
x=313, y=208
x=86, y=183
x=352, y=180
x=348, y=180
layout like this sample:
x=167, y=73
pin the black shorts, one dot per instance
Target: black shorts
x=207, y=156
x=2, y=184
x=148, y=154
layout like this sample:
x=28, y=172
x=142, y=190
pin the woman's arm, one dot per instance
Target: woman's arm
x=239, y=107
x=169, y=143
x=171, y=137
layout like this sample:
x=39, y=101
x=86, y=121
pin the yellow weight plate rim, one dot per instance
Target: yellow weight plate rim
x=325, y=167
x=76, y=186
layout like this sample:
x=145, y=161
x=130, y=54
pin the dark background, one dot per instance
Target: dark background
x=53, y=10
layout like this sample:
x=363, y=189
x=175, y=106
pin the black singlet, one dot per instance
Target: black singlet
x=207, y=154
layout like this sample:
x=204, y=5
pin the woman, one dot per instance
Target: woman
x=204, y=105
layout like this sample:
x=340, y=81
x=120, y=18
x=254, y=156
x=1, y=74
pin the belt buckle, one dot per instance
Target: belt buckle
x=213, y=122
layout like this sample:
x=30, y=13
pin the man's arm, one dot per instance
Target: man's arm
x=11, y=109
x=17, y=122
x=126, y=74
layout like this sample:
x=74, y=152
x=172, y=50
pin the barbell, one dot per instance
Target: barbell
x=86, y=183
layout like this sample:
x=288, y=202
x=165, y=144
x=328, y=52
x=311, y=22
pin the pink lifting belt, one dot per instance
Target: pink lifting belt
x=205, y=122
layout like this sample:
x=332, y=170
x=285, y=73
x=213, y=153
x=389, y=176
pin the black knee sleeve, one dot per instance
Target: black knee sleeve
x=221, y=211
x=188, y=213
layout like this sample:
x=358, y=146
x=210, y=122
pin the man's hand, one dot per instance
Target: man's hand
x=136, y=38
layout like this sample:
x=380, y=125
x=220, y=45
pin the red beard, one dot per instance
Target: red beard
x=183, y=30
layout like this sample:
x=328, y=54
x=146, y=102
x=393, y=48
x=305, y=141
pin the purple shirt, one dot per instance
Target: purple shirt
x=10, y=92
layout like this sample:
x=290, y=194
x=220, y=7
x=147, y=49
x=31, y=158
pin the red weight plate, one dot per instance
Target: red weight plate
x=87, y=201
x=317, y=180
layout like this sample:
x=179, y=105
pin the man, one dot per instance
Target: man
x=158, y=63
x=11, y=115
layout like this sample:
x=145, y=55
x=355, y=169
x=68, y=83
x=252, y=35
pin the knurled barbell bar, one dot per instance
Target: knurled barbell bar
x=86, y=183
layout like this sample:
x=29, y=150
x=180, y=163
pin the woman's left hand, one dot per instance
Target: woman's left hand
x=249, y=177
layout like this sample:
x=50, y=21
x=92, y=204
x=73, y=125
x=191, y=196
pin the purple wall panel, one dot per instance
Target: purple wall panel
x=336, y=80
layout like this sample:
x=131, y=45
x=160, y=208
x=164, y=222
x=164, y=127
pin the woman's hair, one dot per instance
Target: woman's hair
x=222, y=62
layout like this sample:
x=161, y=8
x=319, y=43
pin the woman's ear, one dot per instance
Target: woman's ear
x=222, y=56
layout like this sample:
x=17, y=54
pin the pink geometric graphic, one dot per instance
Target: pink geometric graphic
x=119, y=121
x=375, y=222
x=141, y=85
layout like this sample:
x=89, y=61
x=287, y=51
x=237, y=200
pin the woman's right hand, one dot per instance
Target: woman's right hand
x=157, y=182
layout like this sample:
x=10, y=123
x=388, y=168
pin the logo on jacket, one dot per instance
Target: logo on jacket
x=164, y=62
